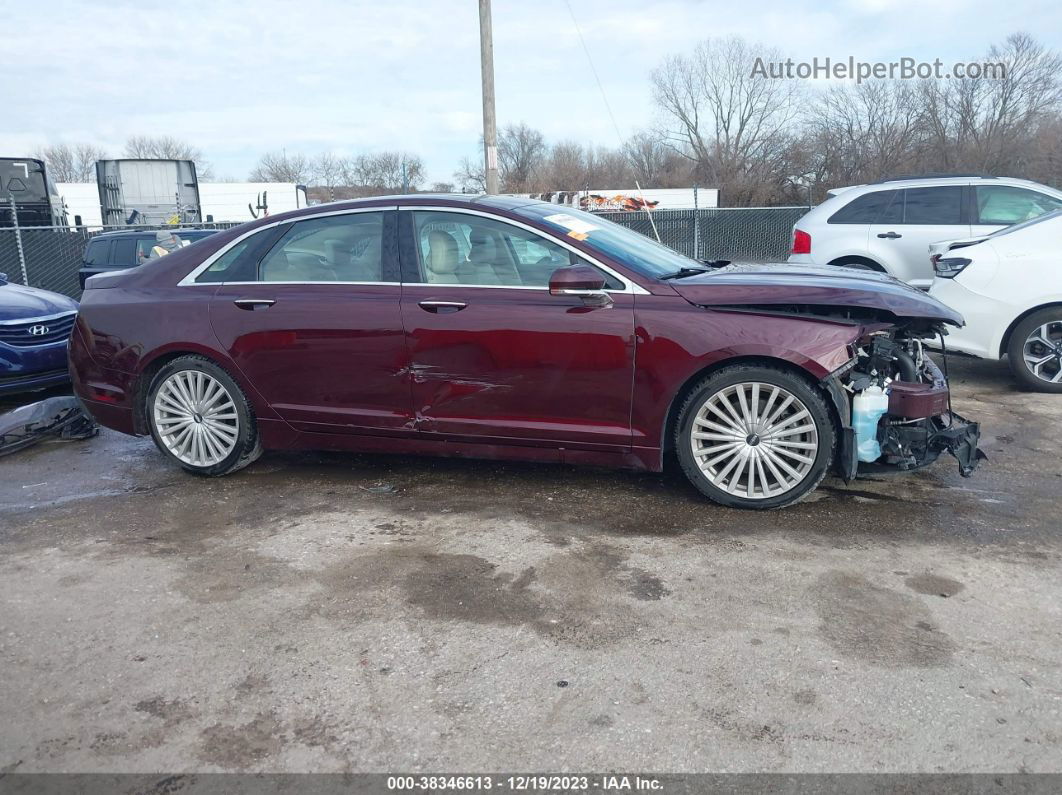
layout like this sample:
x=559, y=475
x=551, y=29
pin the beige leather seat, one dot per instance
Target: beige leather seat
x=276, y=268
x=489, y=261
x=443, y=258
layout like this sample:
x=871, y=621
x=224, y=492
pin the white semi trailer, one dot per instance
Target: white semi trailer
x=137, y=192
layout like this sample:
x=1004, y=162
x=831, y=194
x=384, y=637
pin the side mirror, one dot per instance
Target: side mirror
x=577, y=280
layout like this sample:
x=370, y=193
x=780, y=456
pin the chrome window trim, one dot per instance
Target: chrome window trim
x=363, y=284
x=190, y=279
x=20, y=321
x=630, y=287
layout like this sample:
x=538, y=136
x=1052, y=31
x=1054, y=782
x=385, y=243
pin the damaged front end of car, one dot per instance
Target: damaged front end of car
x=895, y=405
x=892, y=401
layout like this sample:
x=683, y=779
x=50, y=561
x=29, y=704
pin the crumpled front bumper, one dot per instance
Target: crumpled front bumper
x=907, y=442
x=916, y=444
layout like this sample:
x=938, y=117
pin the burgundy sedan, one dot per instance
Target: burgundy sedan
x=498, y=327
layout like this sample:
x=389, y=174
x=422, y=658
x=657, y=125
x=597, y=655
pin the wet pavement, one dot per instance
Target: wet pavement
x=368, y=613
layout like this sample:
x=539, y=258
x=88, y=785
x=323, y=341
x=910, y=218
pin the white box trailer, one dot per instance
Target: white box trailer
x=221, y=202
x=135, y=192
x=244, y=201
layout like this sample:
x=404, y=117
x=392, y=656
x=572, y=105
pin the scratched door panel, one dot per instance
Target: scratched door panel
x=520, y=365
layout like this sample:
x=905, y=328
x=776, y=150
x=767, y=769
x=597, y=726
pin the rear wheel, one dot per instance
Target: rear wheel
x=755, y=437
x=1035, y=351
x=200, y=418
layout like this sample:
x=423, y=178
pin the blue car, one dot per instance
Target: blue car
x=34, y=328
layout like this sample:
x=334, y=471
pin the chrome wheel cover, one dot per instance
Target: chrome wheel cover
x=1043, y=352
x=196, y=418
x=754, y=440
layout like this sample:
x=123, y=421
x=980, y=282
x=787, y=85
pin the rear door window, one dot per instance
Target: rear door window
x=337, y=248
x=123, y=253
x=865, y=209
x=933, y=206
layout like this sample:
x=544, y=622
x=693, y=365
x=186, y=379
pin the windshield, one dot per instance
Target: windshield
x=625, y=246
x=1026, y=224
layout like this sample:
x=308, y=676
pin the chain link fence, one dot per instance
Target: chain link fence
x=49, y=257
x=741, y=234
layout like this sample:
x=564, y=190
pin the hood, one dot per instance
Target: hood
x=21, y=303
x=807, y=285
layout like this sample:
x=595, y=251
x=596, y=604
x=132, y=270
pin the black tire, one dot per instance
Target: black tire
x=718, y=384
x=1022, y=370
x=247, y=445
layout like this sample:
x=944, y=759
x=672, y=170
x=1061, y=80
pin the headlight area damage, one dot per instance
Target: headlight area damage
x=899, y=408
x=892, y=400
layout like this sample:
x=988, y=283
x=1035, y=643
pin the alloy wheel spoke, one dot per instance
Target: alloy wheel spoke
x=735, y=417
x=728, y=422
x=791, y=419
x=803, y=459
x=792, y=432
x=779, y=477
x=781, y=464
x=770, y=421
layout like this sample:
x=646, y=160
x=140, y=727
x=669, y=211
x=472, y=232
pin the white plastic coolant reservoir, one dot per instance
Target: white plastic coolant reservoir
x=867, y=408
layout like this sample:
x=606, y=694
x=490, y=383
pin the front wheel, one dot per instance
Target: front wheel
x=200, y=418
x=755, y=437
x=1035, y=351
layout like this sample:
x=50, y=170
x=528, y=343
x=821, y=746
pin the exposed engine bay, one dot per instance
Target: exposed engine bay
x=900, y=404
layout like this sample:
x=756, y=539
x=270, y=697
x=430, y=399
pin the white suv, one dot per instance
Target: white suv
x=888, y=225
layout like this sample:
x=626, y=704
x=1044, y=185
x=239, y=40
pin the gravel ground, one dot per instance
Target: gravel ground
x=356, y=613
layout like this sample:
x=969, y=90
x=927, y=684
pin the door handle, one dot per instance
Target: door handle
x=889, y=235
x=251, y=304
x=442, y=307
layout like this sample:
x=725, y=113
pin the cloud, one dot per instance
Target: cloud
x=237, y=79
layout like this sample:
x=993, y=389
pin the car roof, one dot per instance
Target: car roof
x=894, y=183
x=480, y=199
x=121, y=233
x=457, y=200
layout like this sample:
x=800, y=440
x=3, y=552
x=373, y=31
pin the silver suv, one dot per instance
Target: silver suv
x=888, y=225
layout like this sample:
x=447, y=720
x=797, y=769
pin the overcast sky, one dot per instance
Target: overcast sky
x=350, y=76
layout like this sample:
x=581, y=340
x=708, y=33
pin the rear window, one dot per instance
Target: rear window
x=97, y=251
x=865, y=209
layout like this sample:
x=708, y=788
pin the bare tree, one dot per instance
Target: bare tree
x=734, y=125
x=521, y=150
x=71, y=162
x=986, y=124
x=282, y=167
x=166, y=147
x=442, y=187
x=469, y=175
x=386, y=171
x=865, y=132
x=327, y=170
x=565, y=167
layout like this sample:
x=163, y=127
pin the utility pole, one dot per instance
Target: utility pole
x=490, y=126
